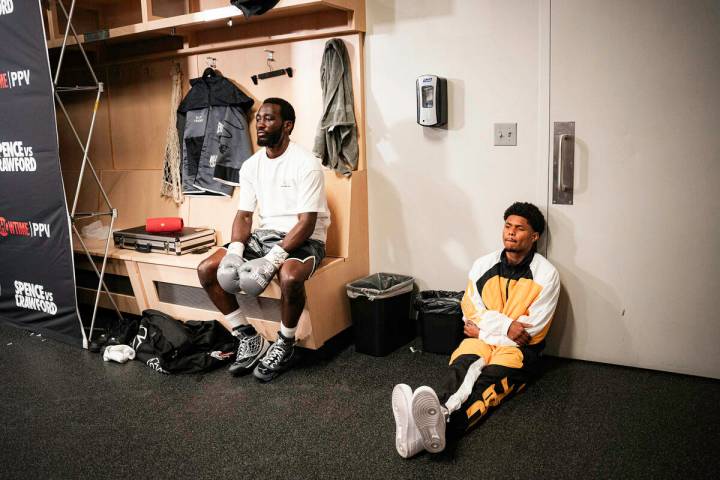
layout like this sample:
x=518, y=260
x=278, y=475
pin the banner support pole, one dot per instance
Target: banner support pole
x=85, y=146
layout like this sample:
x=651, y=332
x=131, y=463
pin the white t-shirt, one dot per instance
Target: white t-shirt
x=284, y=187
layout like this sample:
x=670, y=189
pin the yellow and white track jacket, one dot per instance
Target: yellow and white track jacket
x=498, y=293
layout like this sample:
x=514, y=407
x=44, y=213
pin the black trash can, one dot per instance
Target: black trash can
x=441, y=320
x=380, y=309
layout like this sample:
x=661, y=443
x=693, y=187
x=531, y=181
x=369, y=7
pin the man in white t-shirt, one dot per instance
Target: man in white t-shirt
x=286, y=184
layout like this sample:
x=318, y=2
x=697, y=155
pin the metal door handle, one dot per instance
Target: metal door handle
x=561, y=167
x=563, y=175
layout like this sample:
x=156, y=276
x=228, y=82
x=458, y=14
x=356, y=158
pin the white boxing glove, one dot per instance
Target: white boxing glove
x=228, y=272
x=255, y=275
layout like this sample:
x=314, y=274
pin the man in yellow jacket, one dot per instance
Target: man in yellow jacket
x=508, y=306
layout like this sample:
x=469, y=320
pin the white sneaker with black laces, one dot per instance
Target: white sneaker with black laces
x=278, y=358
x=408, y=441
x=250, y=351
x=429, y=418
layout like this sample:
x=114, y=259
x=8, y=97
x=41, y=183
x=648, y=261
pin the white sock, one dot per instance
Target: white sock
x=236, y=319
x=288, y=333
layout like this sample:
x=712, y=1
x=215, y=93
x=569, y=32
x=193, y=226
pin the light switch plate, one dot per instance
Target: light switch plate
x=506, y=134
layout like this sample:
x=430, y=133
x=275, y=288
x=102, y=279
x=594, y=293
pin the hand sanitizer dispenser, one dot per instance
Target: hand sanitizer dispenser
x=431, y=100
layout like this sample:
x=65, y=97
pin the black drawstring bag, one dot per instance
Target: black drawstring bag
x=254, y=7
x=171, y=346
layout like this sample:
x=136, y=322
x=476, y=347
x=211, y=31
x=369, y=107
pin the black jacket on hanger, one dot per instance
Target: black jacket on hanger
x=214, y=137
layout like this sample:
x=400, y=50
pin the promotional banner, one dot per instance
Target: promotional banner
x=37, y=287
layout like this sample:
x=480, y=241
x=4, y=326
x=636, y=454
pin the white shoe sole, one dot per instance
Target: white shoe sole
x=429, y=419
x=401, y=397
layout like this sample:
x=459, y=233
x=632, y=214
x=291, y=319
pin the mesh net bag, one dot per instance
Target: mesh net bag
x=171, y=180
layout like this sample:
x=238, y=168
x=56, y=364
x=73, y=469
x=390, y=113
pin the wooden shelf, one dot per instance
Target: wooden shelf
x=189, y=24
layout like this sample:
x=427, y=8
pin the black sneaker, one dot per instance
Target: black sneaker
x=278, y=358
x=250, y=351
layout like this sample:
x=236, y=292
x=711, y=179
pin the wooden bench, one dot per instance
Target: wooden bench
x=170, y=283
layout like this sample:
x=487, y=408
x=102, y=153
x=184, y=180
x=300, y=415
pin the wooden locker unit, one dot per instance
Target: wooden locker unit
x=139, y=127
x=125, y=297
x=92, y=16
x=79, y=106
x=135, y=62
x=289, y=20
x=135, y=194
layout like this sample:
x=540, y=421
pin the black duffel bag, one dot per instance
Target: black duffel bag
x=170, y=346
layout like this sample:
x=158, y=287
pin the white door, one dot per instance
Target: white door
x=638, y=249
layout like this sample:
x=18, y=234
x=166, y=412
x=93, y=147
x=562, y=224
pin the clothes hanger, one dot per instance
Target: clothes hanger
x=271, y=73
x=210, y=71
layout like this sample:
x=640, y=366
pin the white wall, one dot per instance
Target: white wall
x=436, y=196
x=642, y=83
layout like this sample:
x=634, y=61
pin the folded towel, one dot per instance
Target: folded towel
x=336, y=141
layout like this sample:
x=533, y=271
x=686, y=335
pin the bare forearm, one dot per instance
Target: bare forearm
x=301, y=232
x=242, y=226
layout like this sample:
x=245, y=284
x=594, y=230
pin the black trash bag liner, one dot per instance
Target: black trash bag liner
x=171, y=346
x=380, y=285
x=439, y=301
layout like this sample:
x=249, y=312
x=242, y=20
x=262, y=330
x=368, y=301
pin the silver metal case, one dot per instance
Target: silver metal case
x=171, y=243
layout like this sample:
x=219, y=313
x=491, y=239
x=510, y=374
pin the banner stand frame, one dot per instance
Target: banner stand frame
x=76, y=216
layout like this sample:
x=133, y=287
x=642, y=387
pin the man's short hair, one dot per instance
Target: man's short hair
x=529, y=212
x=287, y=112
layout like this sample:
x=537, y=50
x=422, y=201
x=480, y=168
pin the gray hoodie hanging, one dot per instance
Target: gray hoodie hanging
x=336, y=139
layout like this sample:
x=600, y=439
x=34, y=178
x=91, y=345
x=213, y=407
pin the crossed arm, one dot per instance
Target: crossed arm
x=517, y=332
x=482, y=322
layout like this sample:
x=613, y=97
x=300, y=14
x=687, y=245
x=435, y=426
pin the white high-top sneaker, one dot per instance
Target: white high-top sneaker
x=429, y=418
x=407, y=437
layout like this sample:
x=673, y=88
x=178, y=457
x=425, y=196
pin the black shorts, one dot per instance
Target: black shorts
x=261, y=241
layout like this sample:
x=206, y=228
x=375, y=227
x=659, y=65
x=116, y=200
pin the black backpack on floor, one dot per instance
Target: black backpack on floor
x=171, y=346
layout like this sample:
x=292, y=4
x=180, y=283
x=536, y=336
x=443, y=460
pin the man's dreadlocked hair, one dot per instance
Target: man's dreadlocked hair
x=529, y=212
